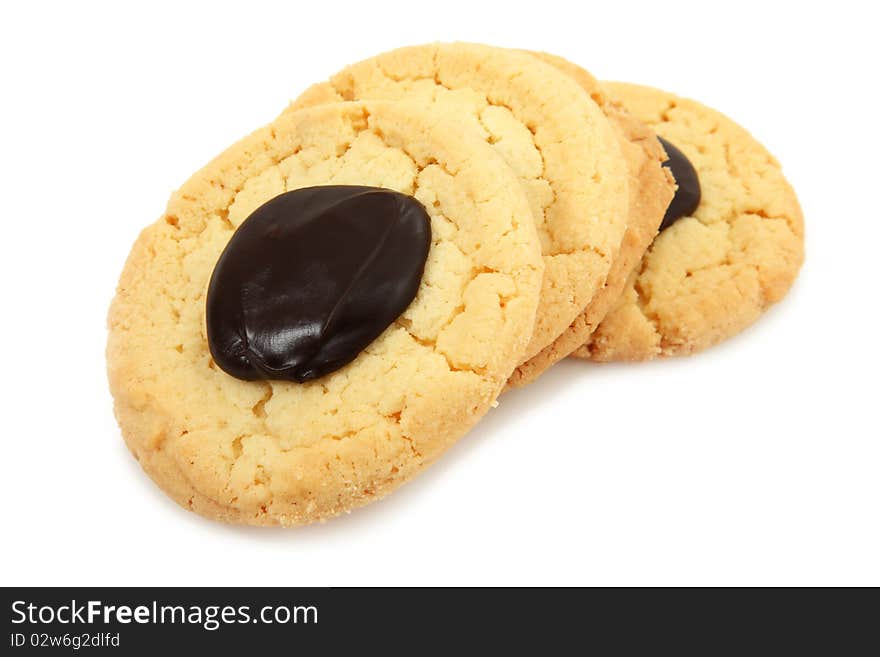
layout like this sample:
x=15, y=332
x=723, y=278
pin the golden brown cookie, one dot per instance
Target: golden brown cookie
x=651, y=187
x=710, y=274
x=551, y=133
x=272, y=452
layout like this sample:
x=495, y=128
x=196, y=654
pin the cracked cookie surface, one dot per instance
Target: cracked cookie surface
x=283, y=453
x=710, y=275
x=651, y=188
x=549, y=131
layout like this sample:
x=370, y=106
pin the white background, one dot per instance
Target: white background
x=757, y=462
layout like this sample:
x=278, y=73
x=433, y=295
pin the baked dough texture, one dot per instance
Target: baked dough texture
x=551, y=133
x=651, y=188
x=706, y=277
x=282, y=453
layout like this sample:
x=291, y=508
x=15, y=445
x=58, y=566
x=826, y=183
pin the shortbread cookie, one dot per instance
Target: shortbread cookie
x=546, y=128
x=278, y=452
x=651, y=188
x=711, y=273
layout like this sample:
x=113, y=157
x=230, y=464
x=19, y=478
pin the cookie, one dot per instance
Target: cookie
x=274, y=451
x=651, y=188
x=548, y=130
x=730, y=247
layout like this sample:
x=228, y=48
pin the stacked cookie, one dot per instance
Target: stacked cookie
x=332, y=302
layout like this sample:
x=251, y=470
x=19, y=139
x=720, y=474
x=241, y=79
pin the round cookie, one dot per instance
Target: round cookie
x=547, y=129
x=651, y=188
x=286, y=453
x=710, y=275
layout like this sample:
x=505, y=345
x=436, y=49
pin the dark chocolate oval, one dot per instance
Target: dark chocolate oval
x=312, y=277
x=687, y=196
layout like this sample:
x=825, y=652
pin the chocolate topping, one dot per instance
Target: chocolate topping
x=312, y=277
x=687, y=196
